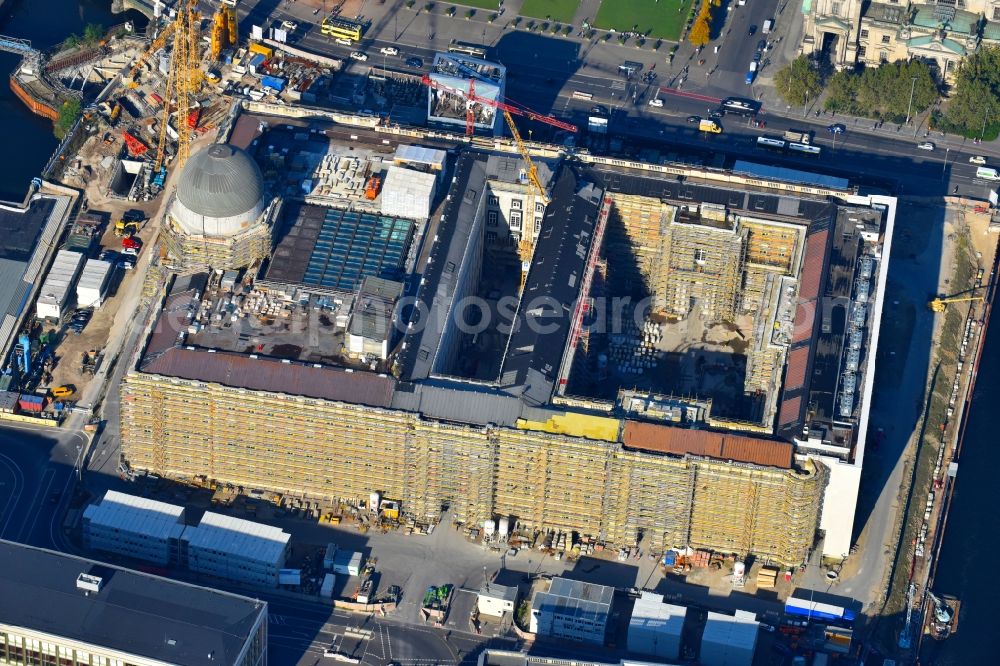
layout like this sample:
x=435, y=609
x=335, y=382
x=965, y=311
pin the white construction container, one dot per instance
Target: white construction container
x=330, y=556
x=93, y=283
x=56, y=291
x=326, y=590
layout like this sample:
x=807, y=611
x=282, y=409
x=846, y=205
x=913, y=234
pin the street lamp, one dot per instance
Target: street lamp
x=944, y=164
x=913, y=86
x=985, y=119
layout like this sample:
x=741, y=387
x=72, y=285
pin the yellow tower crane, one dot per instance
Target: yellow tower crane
x=940, y=304
x=182, y=82
x=154, y=46
x=526, y=248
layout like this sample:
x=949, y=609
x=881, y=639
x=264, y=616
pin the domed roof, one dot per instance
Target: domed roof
x=220, y=182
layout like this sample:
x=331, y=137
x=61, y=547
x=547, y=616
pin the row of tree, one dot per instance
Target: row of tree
x=894, y=90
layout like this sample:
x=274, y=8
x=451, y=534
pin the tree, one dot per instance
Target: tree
x=701, y=30
x=976, y=102
x=69, y=112
x=798, y=81
x=93, y=33
x=841, y=92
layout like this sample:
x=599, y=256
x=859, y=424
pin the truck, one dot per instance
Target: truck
x=751, y=73
x=364, y=595
x=709, y=125
x=768, y=26
x=798, y=136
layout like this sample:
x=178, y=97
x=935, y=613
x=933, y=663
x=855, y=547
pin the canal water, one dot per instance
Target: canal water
x=970, y=560
x=26, y=139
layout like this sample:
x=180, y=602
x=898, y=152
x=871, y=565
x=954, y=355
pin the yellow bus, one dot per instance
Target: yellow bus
x=339, y=28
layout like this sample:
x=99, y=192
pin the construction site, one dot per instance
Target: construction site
x=431, y=409
x=636, y=355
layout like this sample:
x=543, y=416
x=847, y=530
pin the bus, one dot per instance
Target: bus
x=740, y=107
x=339, y=28
x=770, y=143
x=473, y=50
x=803, y=148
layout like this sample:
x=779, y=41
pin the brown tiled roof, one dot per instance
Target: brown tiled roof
x=790, y=409
x=795, y=375
x=724, y=446
x=812, y=266
x=274, y=375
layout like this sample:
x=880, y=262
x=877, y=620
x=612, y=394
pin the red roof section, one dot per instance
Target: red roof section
x=812, y=266
x=790, y=410
x=724, y=446
x=795, y=375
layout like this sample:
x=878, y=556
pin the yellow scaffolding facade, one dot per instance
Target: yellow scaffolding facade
x=548, y=481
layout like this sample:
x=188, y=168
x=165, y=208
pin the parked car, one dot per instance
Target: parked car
x=389, y=51
x=358, y=55
x=761, y=45
x=108, y=255
x=926, y=145
x=343, y=42
x=694, y=119
x=977, y=159
x=290, y=26
x=127, y=263
x=414, y=62
x=657, y=102
x=837, y=128
x=130, y=252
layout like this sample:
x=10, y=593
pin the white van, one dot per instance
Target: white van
x=987, y=173
x=768, y=26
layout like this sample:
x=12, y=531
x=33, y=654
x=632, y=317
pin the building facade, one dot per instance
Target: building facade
x=941, y=34
x=135, y=527
x=572, y=610
x=549, y=480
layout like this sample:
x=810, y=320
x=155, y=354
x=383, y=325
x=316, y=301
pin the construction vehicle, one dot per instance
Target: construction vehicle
x=940, y=304
x=125, y=228
x=224, y=31
x=63, y=391
x=136, y=148
x=709, y=125
x=372, y=188
x=526, y=246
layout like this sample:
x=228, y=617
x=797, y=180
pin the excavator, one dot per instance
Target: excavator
x=941, y=304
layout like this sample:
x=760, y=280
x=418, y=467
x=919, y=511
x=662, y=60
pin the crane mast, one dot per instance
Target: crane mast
x=181, y=82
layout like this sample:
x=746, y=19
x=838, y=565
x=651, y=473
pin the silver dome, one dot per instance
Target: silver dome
x=221, y=182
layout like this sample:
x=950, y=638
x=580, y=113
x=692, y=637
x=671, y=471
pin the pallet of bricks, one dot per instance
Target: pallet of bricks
x=700, y=559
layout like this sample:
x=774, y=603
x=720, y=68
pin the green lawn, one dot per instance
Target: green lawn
x=660, y=18
x=477, y=4
x=561, y=11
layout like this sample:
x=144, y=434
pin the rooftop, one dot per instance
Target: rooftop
x=652, y=614
x=140, y=515
x=495, y=591
x=333, y=250
x=148, y=616
x=239, y=538
x=737, y=631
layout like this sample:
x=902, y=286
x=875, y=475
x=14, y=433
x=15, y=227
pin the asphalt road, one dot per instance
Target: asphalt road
x=37, y=477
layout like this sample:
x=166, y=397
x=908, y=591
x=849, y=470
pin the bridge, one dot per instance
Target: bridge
x=19, y=46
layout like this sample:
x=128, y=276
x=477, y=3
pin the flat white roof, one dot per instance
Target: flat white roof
x=94, y=274
x=420, y=155
x=739, y=631
x=241, y=538
x=652, y=614
x=138, y=515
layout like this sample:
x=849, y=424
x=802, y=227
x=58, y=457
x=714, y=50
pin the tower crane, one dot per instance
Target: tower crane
x=181, y=83
x=155, y=45
x=526, y=246
x=940, y=304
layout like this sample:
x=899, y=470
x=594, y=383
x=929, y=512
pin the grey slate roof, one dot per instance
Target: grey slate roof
x=531, y=364
x=144, y=615
x=220, y=181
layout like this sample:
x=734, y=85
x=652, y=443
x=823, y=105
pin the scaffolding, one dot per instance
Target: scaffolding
x=704, y=263
x=336, y=451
